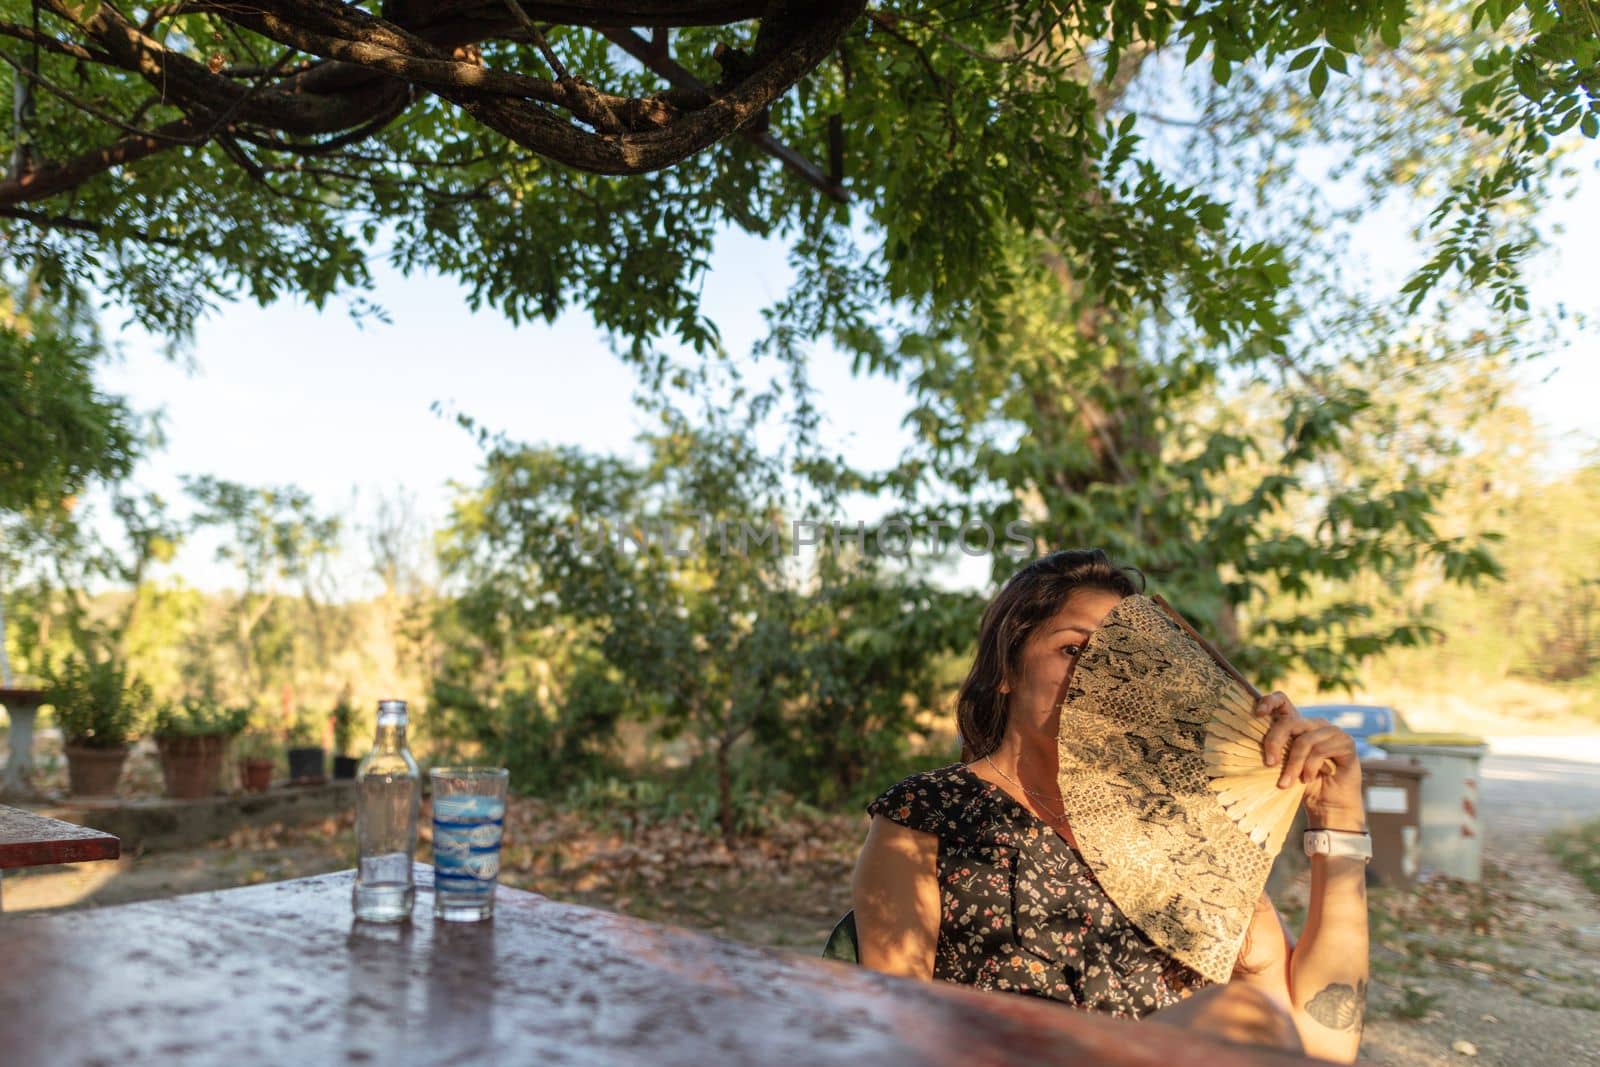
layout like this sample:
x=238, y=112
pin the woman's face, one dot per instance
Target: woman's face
x=1049, y=655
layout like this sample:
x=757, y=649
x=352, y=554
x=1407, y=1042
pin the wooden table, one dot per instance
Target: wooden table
x=30, y=840
x=280, y=973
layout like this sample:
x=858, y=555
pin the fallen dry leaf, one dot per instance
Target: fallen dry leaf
x=1466, y=1048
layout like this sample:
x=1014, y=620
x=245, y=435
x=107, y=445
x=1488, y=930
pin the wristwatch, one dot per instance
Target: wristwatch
x=1339, y=844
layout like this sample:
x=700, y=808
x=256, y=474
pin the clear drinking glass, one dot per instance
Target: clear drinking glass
x=469, y=811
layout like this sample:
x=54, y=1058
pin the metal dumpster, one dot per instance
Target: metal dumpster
x=1393, y=789
x=1452, y=841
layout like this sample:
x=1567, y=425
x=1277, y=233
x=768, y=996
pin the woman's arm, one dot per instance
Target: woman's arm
x=1264, y=958
x=896, y=898
x=1327, y=970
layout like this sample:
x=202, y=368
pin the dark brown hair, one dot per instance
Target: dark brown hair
x=1031, y=597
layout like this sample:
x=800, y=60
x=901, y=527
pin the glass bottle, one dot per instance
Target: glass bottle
x=388, y=792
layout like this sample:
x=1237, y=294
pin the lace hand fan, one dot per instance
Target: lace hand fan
x=1164, y=784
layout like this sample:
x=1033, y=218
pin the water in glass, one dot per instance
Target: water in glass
x=469, y=809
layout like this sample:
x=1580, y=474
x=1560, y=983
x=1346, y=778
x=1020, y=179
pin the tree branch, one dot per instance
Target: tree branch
x=44, y=182
x=607, y=14
x=23, y=71
x=401, y=55
x=369, y=68
x=537, y=34
x=187, y=82
x=334, y=144
x=51, y=44
x=47, y=221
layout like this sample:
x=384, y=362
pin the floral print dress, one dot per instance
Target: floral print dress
x=1020, y=911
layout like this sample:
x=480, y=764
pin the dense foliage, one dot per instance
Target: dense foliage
x=180, y=153
x=1105, y=248
x=558, y=672
x=674, y=594
x=59, y=432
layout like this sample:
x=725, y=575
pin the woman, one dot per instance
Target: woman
x=971, y=874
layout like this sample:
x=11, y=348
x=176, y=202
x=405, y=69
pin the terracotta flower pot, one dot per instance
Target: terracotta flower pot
x=255, y=775
x=93, y=772
x=191, y=767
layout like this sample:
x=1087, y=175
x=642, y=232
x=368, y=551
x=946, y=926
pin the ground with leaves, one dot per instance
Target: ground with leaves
x=1503, y=972
x=783, y=889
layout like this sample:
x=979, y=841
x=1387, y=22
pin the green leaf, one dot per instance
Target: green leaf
x=1221, y=68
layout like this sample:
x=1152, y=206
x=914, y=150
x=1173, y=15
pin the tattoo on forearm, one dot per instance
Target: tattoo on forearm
x=1339, y=1006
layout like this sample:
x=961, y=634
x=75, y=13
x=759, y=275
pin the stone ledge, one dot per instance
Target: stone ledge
x=157, y=823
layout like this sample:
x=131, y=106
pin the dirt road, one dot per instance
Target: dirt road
x=1509, y=974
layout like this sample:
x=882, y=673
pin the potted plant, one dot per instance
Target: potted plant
x=343, y=717
x=192, y=738
x=307, y=758
x=97, y=707
x=258, y=755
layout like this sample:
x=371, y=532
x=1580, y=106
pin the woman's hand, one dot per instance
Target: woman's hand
x=1319, y=754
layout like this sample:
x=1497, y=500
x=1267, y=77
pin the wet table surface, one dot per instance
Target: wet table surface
x=30, y=840
x=280, y=973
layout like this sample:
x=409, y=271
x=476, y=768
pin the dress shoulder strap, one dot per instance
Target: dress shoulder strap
x=949, y=802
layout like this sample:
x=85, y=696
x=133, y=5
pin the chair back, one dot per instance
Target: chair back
x=842, y=941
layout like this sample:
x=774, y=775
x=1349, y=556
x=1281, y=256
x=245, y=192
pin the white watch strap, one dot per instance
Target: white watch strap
x=1339, y=844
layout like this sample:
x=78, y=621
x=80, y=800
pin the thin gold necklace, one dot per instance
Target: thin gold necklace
x=1025, y=789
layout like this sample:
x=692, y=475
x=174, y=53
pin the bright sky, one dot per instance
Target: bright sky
x=288, y=395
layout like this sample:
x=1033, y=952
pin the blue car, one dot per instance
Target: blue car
x=1360, y=721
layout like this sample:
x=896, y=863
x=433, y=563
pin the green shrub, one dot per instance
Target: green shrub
x=306, y=729
x=343, y=721
x=546, y=748
x=1415, y=1003
x=97, y=703
x=199, y=717
x=625, y=804
x=1578, y=849
x=257, y=745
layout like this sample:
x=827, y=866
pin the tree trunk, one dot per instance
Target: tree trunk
x=5, y=661
x=725, y=788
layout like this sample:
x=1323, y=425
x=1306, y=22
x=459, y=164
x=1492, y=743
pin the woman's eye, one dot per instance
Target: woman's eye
x=1073, y=651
